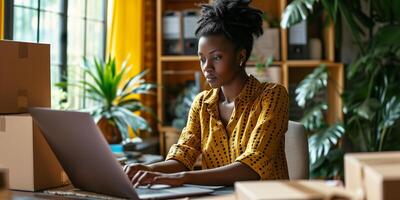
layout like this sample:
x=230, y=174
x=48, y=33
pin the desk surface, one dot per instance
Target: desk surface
x=20, y=195
x=220, y=194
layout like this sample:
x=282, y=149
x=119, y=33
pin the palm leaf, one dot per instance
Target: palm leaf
x=296, y=11
x=382, y=10
x=93, y=76
x=355, y=29
x=135, y=122
x=387, y=36
x=133, y=81
x=121, y=124
x=390, y=114
x=368, y=108
x=313, y=118
x=311, y=85
x=138, y=89
x=320, y=143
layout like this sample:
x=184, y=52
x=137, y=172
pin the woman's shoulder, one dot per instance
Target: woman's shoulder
x=269, y=88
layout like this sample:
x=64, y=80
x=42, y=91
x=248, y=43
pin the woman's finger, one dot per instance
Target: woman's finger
x=136, y=177
x=127, y=168
x=144, y=179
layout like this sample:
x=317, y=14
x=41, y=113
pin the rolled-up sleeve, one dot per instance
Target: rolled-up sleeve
x=267, y=138
x=188, y=147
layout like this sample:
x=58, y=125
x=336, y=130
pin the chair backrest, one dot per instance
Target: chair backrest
x=296, y=149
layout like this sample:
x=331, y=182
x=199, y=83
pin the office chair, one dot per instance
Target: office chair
x=296, y=149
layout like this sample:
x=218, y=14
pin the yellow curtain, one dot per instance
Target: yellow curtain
x=125, y=35
x=1, y=19
x=125, y=32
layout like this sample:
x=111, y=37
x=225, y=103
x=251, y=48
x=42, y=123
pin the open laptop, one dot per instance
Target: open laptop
x=88, y=161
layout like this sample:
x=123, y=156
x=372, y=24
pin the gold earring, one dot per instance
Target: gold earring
x=241, y=63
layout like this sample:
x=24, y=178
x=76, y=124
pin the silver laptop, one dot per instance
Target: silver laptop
x=88, y=161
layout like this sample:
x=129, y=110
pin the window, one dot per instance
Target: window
x=74, y=28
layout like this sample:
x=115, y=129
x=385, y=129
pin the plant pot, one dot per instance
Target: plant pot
x=110, y=131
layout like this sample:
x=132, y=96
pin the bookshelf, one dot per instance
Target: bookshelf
x=178, y=69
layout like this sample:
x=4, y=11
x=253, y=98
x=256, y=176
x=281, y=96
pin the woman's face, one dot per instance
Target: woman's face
x=219, y=61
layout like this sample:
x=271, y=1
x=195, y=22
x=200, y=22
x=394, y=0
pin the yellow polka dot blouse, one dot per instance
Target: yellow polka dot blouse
x=253, y=136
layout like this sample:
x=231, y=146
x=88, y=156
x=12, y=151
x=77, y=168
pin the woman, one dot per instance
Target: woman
x=238, y=126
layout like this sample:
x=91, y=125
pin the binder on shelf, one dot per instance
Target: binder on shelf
x=190, y=42
x=298, y=41
x=172, y=33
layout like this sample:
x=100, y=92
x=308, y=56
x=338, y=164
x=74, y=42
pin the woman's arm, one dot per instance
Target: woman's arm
x=168, y=166
x=225, y=175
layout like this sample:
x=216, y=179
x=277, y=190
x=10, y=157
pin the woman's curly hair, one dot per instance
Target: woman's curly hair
x=232, y=18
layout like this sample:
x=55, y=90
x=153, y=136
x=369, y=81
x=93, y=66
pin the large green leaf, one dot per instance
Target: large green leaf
x=329, y=167
x=355, y=29
x=296, y=11
x=136, y=80
x=396, y=14
x=387, y=36
x=368, y=108
x=135, y=121
x=143, y=88
x=320, y=143
x=311, y=85
x=382, y=9
x=390, y=114
x=313, y=118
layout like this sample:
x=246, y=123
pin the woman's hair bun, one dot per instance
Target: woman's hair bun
x=233, y=18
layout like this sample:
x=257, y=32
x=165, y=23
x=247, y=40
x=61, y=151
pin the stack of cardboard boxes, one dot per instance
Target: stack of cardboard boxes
x=24, y=83
x=368, y=176
x=375, y=176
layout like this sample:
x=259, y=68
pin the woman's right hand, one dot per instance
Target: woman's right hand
x=132, y=169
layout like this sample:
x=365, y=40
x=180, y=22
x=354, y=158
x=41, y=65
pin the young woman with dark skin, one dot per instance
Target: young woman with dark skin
x=222, y=61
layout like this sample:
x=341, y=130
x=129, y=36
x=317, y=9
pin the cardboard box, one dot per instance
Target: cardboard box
x=354, y=167
x=25, y=152
x=24, y=76
x=382, y=182
x=288, y=190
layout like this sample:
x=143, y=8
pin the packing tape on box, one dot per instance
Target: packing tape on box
x=2, y=124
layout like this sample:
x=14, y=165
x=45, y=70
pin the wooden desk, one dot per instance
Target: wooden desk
x=20, y=195
x=221, y=194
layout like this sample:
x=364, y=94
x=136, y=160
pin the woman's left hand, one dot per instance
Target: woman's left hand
x=151, y=178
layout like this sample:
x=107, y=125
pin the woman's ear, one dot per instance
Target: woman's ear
x=242, y=57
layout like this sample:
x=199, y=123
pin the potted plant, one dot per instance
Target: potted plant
x=115, y=94
x=323, y=138
x=371, y=97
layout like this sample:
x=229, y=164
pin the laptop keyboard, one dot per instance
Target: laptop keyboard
x=142, y=191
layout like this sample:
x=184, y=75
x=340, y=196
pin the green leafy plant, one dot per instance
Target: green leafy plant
x=114, y=94
x=372, y=93
x=181, y=105
x=323, y=138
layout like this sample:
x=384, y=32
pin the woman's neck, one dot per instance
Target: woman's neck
x=232, y=90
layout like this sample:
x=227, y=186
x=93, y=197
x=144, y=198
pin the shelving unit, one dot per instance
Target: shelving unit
x=176, y=69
